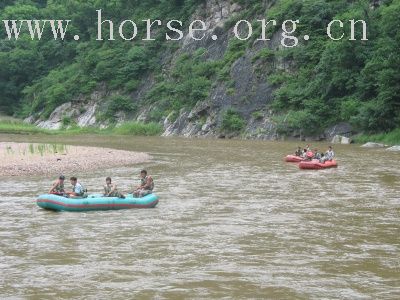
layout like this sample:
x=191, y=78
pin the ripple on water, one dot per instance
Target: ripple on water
x=234, y=221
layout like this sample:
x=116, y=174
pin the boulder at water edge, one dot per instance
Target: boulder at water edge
x=394, y=148
x=339, y=139
x=374, y=145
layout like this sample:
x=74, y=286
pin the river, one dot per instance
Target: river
x=234, y=221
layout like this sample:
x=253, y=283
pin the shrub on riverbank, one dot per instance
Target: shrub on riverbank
x=135, y=128
x=232, y=121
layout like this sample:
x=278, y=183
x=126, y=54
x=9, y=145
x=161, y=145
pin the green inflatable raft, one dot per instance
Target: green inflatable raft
x=95, y=202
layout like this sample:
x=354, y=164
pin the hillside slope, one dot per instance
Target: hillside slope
x=222, y=87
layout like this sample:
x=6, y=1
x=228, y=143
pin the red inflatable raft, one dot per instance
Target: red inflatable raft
x=293, y=158
x=316, y=165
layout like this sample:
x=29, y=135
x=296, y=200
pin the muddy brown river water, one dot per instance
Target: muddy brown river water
x=234, y=221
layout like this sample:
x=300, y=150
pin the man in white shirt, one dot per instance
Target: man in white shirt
x=329, y=155
x=78, y=191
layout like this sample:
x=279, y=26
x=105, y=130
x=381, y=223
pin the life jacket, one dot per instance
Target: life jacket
x=144, y=180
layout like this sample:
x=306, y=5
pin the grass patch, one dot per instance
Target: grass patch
x=129, y=128
x=11, y=126
x=390, y=138
x=76, y=130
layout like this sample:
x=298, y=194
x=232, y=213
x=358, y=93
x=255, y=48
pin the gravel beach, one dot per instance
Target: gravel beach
x=22, y=159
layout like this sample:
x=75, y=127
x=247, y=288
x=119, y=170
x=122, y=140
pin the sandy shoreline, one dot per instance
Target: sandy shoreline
x=22, y=159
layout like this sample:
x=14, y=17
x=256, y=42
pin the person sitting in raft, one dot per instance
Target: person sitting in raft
x=78, y=191
x=317, y=155
x=298, y=152
x=304, y=154
x=329, y=155
x=146, y=187
x=110, y=189
x=58, y=186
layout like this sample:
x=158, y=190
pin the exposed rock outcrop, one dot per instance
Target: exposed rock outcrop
x=80, y=111
x=56, y=118
x=341, y=129
x=338, y=139
x=88, y=117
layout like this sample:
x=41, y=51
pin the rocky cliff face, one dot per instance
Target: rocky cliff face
x=250, y=93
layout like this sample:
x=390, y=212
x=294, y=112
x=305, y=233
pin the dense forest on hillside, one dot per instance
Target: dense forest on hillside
x=327, y=82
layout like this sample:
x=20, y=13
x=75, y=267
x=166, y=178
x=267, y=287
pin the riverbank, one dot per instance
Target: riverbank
x=128, y=128
x=23, y=159
x=391, y=138
x=15, y=126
